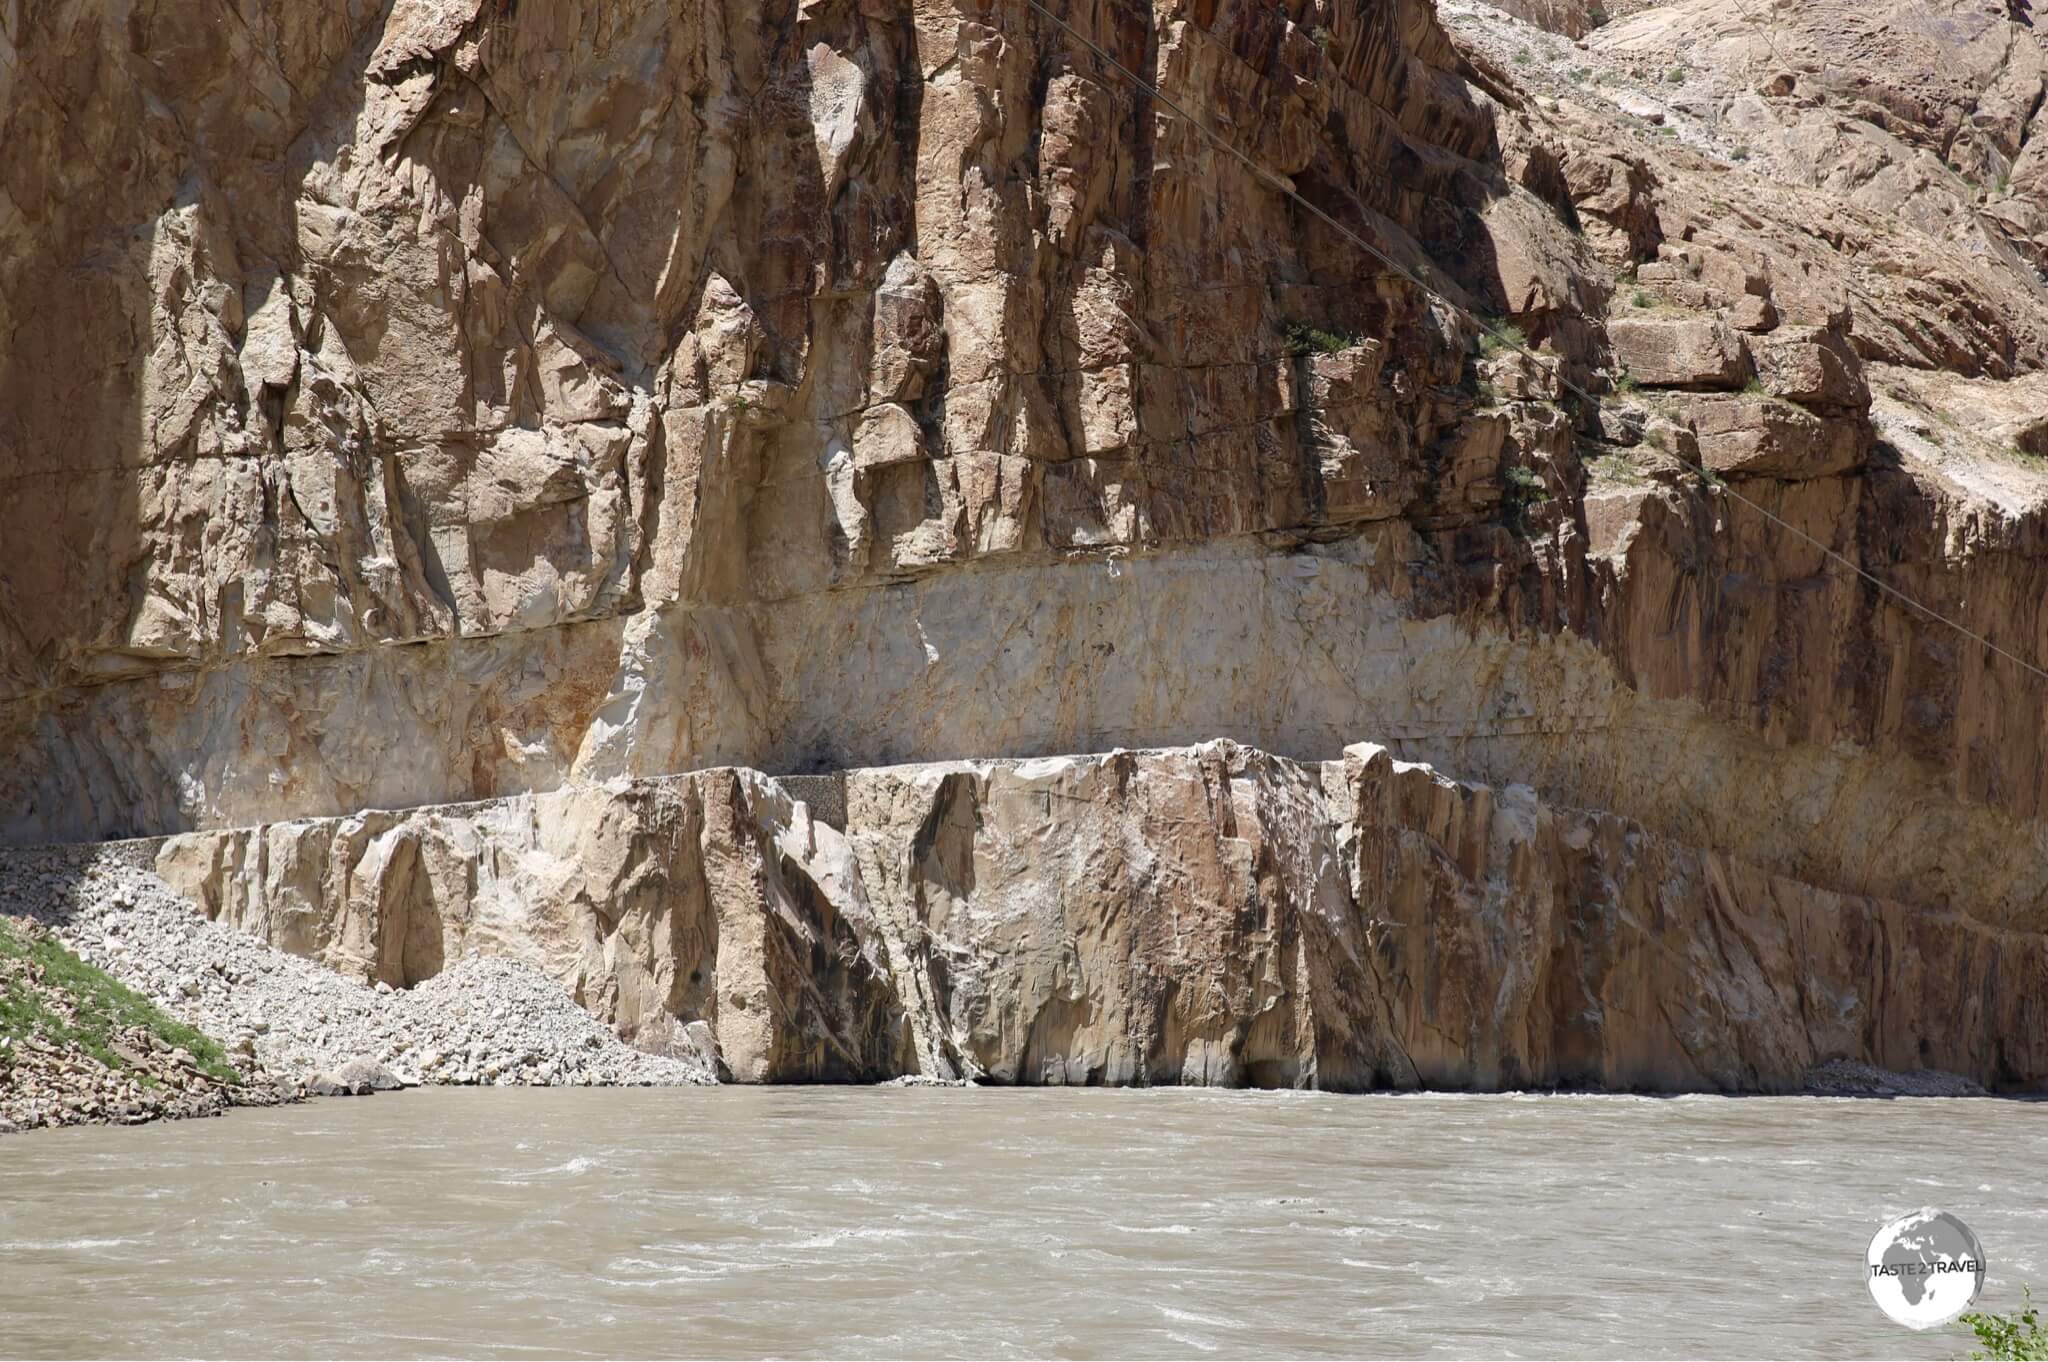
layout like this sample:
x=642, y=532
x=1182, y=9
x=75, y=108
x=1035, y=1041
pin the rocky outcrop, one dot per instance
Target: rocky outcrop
x=1212, y=915
x=442, y=401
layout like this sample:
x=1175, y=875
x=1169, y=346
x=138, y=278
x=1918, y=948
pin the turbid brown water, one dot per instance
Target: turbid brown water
x=885, y=1222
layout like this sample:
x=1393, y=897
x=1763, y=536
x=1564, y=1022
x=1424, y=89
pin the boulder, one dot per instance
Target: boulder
x=1689, y=352
x=357, y=1078
x=1812, y=365
x=1747, y=436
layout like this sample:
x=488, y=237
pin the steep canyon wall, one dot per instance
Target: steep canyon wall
x=415, y=401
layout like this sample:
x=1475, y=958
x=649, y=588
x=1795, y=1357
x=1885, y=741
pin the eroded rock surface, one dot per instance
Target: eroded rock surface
x=1210, y=915
x=425, y=401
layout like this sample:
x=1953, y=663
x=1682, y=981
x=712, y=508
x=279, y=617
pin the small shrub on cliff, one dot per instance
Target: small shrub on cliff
x=1522, y=488
x=1321, y=37
x=1614, y=467
x=1527, y=484
x=2017, y=1337
x=1304, y=339
x=1504, y=337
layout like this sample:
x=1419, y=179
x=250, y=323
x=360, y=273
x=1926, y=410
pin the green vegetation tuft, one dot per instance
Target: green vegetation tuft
x=1522, y=489
x=102, y=1004
x=2017, y=1337
x=1304, y=339
x=1643, y=299
x=1321, y=37
x=1754, y=387
x=1505, y=336
x=1615, y=468
x=1675, y=76
x=1740, y=153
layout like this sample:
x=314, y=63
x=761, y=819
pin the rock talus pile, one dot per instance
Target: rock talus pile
x=482, y=1021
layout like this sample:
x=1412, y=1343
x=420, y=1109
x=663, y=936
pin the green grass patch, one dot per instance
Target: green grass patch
x=103, y=1005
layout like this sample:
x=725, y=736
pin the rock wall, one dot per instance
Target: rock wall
x=1210, y=915
x=416, y=401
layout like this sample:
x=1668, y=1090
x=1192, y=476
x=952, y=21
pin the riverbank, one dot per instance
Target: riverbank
x=105, y=938
x=77, y=1047
x=291, y=1027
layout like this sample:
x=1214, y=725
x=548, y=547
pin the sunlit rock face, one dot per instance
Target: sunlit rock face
x=420, y=402
x=1206, y=915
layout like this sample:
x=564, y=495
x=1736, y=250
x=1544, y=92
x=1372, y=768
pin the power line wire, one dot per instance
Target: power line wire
x=1502, y=335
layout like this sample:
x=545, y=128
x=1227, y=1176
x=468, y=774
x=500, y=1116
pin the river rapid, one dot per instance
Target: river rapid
x=808, y=1222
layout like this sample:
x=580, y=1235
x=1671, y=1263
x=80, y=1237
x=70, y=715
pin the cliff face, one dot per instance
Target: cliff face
x=437, y=400
x=1209, y=915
